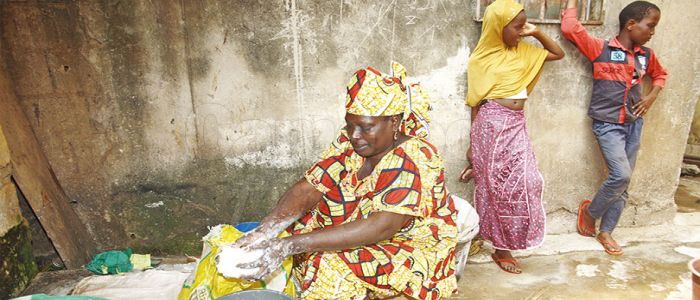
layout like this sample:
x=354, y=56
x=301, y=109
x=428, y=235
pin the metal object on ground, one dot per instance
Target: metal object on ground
x=694, y=266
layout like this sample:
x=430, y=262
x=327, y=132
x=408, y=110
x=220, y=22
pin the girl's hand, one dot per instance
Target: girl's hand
x=529, y=29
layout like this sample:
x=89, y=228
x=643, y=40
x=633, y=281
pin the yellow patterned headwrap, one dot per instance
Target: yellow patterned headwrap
x=371, y=93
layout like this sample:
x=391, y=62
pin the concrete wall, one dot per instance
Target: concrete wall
x=17, y=267
x=10, y=214
x=693, y=147
x=163, y=117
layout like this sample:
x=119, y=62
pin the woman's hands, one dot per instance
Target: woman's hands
x=274, y=252
x=261, y=239
x=251, y=238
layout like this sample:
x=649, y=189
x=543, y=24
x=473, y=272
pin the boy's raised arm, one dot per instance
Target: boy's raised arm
x=574, y=31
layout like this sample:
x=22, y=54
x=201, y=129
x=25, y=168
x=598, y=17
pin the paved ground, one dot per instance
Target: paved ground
x=654, y=266
x=566, y=266
x=569, y=266
x=688, y=194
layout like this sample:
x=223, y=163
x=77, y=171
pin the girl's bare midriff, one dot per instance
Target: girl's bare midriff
x=514, y=104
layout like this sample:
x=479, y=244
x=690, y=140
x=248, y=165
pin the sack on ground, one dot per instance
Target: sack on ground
x=207, y=283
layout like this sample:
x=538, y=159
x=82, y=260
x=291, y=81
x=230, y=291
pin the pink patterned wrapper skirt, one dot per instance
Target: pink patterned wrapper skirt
x=508, y=185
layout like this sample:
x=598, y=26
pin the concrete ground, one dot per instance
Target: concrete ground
x=569, y=266
x=566, y=266
x=654, y=266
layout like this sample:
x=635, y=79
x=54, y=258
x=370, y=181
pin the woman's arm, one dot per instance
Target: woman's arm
x=377, y=227
x=555, y=51
x=296, y=201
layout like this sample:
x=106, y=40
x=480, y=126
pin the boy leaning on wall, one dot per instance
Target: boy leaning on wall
x=617, y=107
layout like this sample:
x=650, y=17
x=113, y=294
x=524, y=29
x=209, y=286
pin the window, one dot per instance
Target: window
x=549, y=11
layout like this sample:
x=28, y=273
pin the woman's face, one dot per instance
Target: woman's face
x=371, y=136
x=511, y=33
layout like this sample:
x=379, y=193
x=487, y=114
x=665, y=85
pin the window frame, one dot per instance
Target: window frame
x=584, y=17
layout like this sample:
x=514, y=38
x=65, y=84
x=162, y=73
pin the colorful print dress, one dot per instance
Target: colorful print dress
x=417, y=261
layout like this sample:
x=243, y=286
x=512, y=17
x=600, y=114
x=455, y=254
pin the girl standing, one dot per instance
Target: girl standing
x=502, y=72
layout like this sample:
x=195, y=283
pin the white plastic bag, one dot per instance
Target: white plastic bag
x=468, y=227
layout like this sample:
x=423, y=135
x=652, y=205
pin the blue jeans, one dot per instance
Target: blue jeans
x=619, y=144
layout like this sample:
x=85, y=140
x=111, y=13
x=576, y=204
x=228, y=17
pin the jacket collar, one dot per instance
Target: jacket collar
x=615, y=43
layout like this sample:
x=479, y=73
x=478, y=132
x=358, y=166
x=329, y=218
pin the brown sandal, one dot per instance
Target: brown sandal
x=511, y=260
x=581, y=226
x=609, y=247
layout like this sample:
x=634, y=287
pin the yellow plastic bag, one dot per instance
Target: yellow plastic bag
x=207, y=283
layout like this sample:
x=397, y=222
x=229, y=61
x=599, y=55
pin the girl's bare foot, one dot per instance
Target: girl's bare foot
x=506, y=262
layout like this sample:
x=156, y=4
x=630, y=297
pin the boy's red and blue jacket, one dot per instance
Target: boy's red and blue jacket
x=617, y=72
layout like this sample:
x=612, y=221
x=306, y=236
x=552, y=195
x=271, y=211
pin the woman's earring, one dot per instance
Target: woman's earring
x=396, y=135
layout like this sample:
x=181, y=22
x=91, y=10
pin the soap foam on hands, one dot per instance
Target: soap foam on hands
x=231, y=258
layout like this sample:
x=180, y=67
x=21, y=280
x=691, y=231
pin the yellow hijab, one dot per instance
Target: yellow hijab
x=496, y=71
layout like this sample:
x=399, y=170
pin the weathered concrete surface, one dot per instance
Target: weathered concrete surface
x=569, y=266
x=688, y=194
x=170, y=214
x=648, y=271
x=17, y=267
x=693, y=147
x=10, y=215
x=214, y=108
x=33, y=175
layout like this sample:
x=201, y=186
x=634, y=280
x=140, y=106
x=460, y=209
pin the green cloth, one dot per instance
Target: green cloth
x=111, y=262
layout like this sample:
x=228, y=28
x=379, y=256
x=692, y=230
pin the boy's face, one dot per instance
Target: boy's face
x=641, y=32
